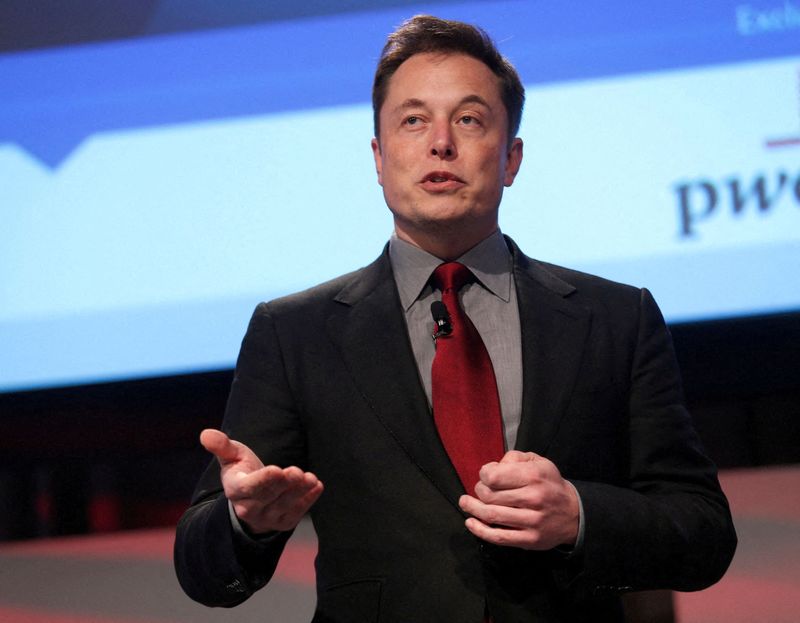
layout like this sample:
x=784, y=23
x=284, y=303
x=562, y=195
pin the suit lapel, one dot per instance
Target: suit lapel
x=369, y=319
x=554, y=334
x=370, y=331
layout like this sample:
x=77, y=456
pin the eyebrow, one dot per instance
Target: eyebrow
x=413, y=102
x=474, y=99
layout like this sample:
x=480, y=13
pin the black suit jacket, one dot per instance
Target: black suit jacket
x=326, y=380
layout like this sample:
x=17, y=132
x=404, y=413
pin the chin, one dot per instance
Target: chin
x=448, y=226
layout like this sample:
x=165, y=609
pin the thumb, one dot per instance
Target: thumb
x=221, y=446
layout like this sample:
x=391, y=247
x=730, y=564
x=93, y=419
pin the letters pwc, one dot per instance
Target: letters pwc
x=702, y=199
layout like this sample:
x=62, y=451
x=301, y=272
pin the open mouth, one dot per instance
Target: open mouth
x=441, y=182
x=440, y=177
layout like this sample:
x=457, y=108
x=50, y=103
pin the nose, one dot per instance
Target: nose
x=443, y=146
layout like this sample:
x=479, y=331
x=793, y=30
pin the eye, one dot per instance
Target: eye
x=412, y=120
x=468, y=120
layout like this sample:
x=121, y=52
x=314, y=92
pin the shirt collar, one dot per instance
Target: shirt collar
x=489, y=261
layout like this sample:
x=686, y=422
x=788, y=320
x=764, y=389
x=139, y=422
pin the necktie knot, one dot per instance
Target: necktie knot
x=451, y=276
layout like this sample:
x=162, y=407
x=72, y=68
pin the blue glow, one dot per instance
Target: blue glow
x=154, y=190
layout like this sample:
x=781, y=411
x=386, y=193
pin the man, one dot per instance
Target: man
x=603, y=488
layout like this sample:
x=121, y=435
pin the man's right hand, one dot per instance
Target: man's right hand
x=264, y=498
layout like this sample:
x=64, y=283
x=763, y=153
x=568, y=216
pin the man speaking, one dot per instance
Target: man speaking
x=477, y=436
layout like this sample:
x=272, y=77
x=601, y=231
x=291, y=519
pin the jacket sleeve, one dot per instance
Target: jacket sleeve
x=670, y=527
x=216, y=564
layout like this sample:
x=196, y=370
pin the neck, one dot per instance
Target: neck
x=444, y=245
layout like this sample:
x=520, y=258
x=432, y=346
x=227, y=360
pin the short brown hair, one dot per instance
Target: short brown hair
x=425, y=33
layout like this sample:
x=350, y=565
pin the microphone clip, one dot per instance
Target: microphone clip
x=441, y=317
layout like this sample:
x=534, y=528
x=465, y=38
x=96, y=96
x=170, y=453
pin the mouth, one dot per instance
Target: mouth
x=439, y=181
x=438, y=177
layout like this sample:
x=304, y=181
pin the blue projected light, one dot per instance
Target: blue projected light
x=154, y=190
x=59, y=97
x=63, y=96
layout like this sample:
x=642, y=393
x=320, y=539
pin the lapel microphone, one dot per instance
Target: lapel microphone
x=442, y=319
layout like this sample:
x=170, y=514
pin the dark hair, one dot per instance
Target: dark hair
x=425, y=33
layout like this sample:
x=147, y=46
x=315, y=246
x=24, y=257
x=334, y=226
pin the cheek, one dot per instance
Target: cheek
x=494, y=173
x=393, y=182
x=494, y=160
x=397, y=169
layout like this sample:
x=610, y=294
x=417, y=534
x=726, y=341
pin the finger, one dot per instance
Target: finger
x=295, y=503
x=515, y=456
x=269, y=483
x=496, y=515
x=295, y=476
x=282, y=513
x=526, y=539
x=508, y=475
x=220, y=445
x=263, y=486
x=530, y=496
x=511, y=473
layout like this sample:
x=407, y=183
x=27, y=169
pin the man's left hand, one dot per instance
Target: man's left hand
x=523, y=501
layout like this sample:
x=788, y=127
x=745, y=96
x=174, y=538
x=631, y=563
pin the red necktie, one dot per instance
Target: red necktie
x=466, y=406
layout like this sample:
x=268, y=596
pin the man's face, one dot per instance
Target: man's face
x=443, y=156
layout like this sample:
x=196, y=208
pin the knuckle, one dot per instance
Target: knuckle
x=489, y=477
x=533, y=471
x=482, y=491
x=293, y=473
x=487, y=496
x=533, y=519
x=536, y=524
x=534, y=499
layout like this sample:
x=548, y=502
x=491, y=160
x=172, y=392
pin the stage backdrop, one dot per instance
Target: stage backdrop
x=166, y=165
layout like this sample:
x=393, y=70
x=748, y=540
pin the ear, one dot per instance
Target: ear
x=513, y=161
x=376, y=153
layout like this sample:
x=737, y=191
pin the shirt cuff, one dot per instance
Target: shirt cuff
x=243, y=533
x=576, y=549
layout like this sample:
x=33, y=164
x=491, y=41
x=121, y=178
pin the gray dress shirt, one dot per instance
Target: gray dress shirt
x=490, y=302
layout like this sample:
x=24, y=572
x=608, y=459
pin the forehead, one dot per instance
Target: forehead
x=442, y=76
